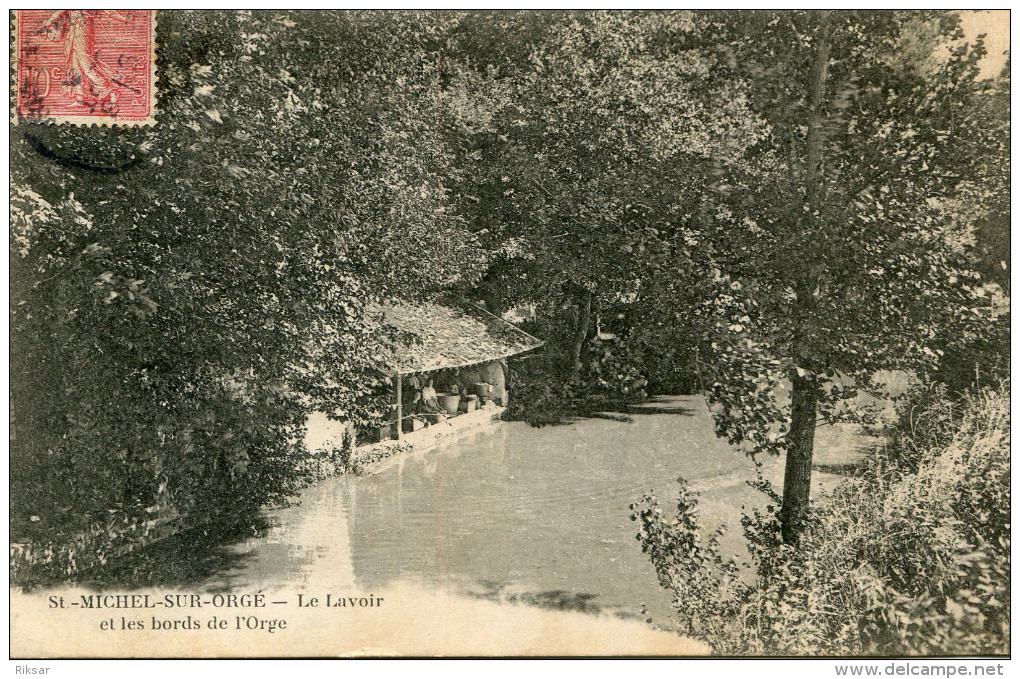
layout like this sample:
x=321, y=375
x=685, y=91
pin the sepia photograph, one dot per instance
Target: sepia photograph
x=510, y=334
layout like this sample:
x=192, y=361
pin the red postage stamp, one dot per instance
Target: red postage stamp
x=85, y=67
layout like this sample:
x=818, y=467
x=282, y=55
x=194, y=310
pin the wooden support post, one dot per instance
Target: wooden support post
x=400, y=407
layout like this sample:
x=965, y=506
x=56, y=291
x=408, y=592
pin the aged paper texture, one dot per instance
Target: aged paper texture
x=509, y=333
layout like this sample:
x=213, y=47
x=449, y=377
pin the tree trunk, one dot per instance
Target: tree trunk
x=494, y=304
x=493, y=296
x=799, y=454
x=583, y=325
x=814, y=172
x=804, y=399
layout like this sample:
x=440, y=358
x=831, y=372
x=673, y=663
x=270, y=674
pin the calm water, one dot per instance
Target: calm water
x=512, y=513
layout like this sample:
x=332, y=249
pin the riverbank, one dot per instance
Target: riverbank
x=373, y=458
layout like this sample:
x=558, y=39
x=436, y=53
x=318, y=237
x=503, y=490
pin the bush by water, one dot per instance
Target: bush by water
x=909, y=556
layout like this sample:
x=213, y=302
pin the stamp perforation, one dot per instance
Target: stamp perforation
x=93, y=70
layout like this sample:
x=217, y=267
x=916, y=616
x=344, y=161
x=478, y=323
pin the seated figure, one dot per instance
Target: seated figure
x=429, y=402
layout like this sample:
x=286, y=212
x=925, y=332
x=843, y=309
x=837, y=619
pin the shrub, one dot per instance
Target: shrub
x=706, y=589
x=615, y=370
x=540, y=395
x=910, y=556
x=978, y=358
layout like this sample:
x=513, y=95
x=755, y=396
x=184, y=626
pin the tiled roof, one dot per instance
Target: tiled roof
x=452, y=334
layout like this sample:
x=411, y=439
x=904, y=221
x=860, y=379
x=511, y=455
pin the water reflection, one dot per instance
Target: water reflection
x=560, y=600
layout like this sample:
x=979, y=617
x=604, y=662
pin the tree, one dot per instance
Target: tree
x=595, y=134
x=836, y=248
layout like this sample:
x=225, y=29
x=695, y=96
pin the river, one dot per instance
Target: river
x=510, y=514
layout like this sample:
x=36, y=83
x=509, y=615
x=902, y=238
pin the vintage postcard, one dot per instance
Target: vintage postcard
x=341, y=334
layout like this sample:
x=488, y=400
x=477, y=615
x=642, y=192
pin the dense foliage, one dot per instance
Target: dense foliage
x=595, y=140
